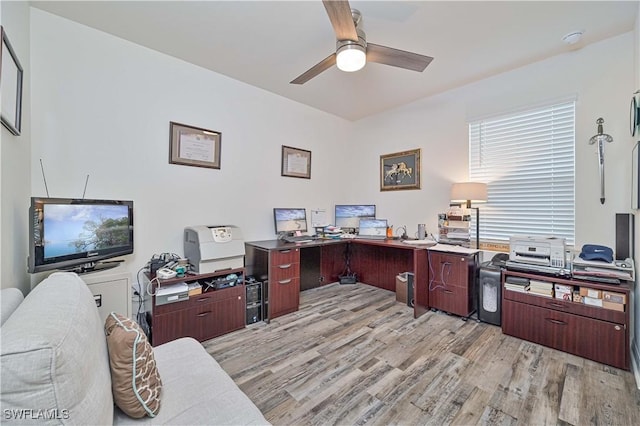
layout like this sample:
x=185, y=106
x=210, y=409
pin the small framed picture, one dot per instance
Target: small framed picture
x=194, y=146
x=400, y=170
x=296, y=162
x=10, y=87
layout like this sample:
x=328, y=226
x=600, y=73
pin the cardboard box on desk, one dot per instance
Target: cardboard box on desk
x=590, y=292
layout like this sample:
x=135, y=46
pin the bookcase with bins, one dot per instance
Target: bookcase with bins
x=203, y=316
x=597, y=333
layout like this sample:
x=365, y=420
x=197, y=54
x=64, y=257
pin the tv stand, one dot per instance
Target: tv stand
x=89, y=267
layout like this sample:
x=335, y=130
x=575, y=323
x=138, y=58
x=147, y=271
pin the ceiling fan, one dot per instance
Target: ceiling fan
x=352, y=49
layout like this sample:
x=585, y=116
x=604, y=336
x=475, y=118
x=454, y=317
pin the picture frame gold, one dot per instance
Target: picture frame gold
x=296, y=162
x=194, y=146
x=11, y=77
x=400, y=170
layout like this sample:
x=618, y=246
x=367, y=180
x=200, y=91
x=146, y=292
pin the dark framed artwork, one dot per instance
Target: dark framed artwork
x=635, y=177
x=194, y=146
x=10, y=86
x=400, y=170
x=296, y=162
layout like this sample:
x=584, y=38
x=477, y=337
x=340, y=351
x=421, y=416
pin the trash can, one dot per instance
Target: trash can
x=404, y=288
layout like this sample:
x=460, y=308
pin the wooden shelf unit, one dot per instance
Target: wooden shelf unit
x=592, y=332
x=203, y=316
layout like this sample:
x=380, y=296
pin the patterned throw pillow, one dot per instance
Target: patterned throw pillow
x=131, y=357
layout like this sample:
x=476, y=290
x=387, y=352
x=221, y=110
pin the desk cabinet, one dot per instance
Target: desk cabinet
x=203, y=316
x=452, y=282
x=591, y=332
x=284, y=281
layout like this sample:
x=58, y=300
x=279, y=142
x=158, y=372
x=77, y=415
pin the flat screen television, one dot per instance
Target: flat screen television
x=348, y=216
x=78, y=234
x=289, y=221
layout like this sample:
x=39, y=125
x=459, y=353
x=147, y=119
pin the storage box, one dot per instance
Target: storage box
x=577, y=297
x=614, y=306
x=562, y=288
x=592, y=301
x=613, y=297
x=194, y=288
x=401, y=288
x=564, y=295
x=591, y=292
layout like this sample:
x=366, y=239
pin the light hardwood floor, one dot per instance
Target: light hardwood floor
x=353, y=355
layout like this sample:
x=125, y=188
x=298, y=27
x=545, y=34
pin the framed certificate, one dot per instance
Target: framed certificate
x=194, y=146
x=296, y=162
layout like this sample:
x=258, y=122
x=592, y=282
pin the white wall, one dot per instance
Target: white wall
x=104, y=106
x=15, y=179
x=600, y=76
x=635, y=330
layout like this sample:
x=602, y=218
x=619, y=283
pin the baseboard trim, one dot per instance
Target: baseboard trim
x=635, y=361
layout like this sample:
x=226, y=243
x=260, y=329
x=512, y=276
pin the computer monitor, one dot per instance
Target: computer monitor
x=290, y=220
x=348, y=216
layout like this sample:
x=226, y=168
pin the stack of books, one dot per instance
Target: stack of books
x=518, y=284
x=541, y=288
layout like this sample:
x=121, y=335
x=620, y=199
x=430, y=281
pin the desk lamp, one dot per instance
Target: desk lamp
x=470, y=192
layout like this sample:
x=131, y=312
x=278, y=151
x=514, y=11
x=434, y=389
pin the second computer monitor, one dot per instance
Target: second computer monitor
x=290, y=220
x=349, y=215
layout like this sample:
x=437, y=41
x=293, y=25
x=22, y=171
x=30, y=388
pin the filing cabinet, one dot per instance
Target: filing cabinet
x=284, y=281
x=452, y=282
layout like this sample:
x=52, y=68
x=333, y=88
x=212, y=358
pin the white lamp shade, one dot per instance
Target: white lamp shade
x=351, y=57
x=475, y=192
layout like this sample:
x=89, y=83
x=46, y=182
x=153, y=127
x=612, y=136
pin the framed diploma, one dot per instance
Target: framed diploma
x=296, y=162
x=10, y=87
x=194, y=146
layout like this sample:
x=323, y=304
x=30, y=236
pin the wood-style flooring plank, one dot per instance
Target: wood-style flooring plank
x=353, y=355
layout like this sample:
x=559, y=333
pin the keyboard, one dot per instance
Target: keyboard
x=298, y=239
x=371, y=237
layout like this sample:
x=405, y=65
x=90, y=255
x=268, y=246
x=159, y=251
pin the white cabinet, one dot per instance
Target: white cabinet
x=112, y=293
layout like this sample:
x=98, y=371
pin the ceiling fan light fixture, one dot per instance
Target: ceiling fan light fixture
x=351, y=57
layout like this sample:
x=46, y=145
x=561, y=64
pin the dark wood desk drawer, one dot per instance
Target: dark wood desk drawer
x=452, y=299
x=601, y=341
x=284, y=296
x=284, y=271
x=449, y=269
x=283, y=257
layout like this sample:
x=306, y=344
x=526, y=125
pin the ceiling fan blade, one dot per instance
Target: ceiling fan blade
x=397, y=58
x=323, y=65
x=340, y=16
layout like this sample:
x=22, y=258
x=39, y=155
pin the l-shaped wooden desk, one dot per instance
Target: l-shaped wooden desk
x=292, y=267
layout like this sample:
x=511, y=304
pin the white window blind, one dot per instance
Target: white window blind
x=527, y=161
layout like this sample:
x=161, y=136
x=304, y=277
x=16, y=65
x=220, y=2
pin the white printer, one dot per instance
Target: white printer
x=214, y=248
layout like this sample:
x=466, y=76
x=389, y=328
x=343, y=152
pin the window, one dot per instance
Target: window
x=527, y=161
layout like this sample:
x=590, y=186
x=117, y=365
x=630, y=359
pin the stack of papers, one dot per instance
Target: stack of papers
x=541, y=288
x=518, y=284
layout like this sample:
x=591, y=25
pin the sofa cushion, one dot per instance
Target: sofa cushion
x=10, y=299
x=196, y=390
x=54, y=354
x=134, y=377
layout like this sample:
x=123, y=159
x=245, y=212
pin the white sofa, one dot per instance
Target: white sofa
x=55, y=366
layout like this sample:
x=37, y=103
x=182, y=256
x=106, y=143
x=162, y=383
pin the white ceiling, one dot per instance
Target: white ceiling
x=269, y=43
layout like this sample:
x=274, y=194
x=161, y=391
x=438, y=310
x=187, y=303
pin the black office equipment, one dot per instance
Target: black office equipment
x=490, y=290
x=624, y=236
